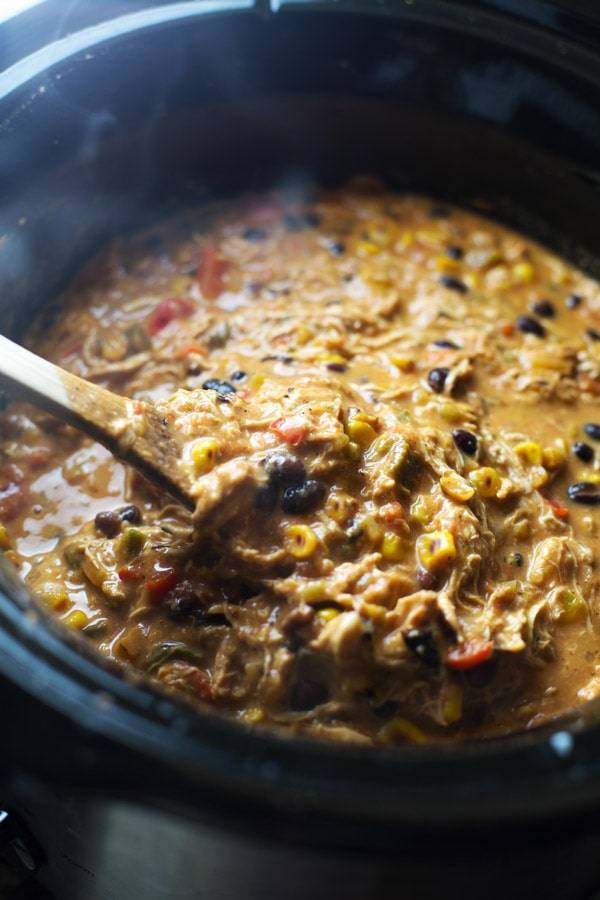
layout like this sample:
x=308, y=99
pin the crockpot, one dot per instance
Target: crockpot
x=127, y=112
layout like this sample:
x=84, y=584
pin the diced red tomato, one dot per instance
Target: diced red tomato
x=507, y=329
x=132, y=573
x=167, y=310
x=160, y=583
x=558, y=509
x=469, y=655
x=211, y=271
x=291, y=429
x=200, y=682
x=392, y=513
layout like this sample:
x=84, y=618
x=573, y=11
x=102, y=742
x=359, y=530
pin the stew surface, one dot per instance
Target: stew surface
x=391, y=412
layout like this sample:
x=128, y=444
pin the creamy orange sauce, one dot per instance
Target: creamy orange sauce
x=418, y=603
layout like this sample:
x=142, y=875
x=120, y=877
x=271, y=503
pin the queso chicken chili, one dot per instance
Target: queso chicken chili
x=390, y=414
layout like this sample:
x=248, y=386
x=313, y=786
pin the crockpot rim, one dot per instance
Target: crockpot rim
x=529, y=753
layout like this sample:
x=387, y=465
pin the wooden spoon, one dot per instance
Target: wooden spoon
x=107, y=418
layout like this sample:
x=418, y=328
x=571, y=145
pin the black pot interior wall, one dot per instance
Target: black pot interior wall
x=109, y=140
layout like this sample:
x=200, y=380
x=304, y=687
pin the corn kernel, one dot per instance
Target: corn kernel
x=573, y=606
x=529, y=452
x=361, y=433
x=325, y=615
x=436, y=550
x=524, y=272
x=114, y=347
x=303, y=335
x=300, y=541
x=55, y=596
x=472, y=280
x=433, y=237
x=593, y=477
x=554, y=457
x=456, y=487
x=422, y=510
x=12, y=557
x=204, y=455
x=379, y=233
x=179, y=285
x=340, y=507
x=367, y=248
x=392, y=547
x=451, y=412
x=255, y=381
x=253, y=715
x=539, y=477
x=447, y=264
x=402, y=728
x=404, y=363
x=5, y=542
x=77, y=619
x=452, y=704
x=486, y=481
x=331, y=358
x=353, y=450
x=405, y=240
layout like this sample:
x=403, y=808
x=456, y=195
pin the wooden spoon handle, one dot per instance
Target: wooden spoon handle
x=86, y=406
x=100, y=413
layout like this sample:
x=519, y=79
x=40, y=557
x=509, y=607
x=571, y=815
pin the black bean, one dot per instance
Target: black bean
x=517, y=559
x=543, y=308
x=203, y=619
x=583, y=451
x=585, y=492
x=337, y=248
x=436, y=379
x=302, y=221
x=573, y=301
x=337, y=367
x=303, y=498
x=465, y=440
x=108, y=523
x=452, y=283
x=446, y=345
x=254, y=234
x=265, y=498
x=221, y=387
x=307, y=694
x=592, y=429
x=239, y=375
x=284, y=470
x=454, y=252
x=528, y=325
x=422, y=643
x=593, y=334
x=130, y=514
